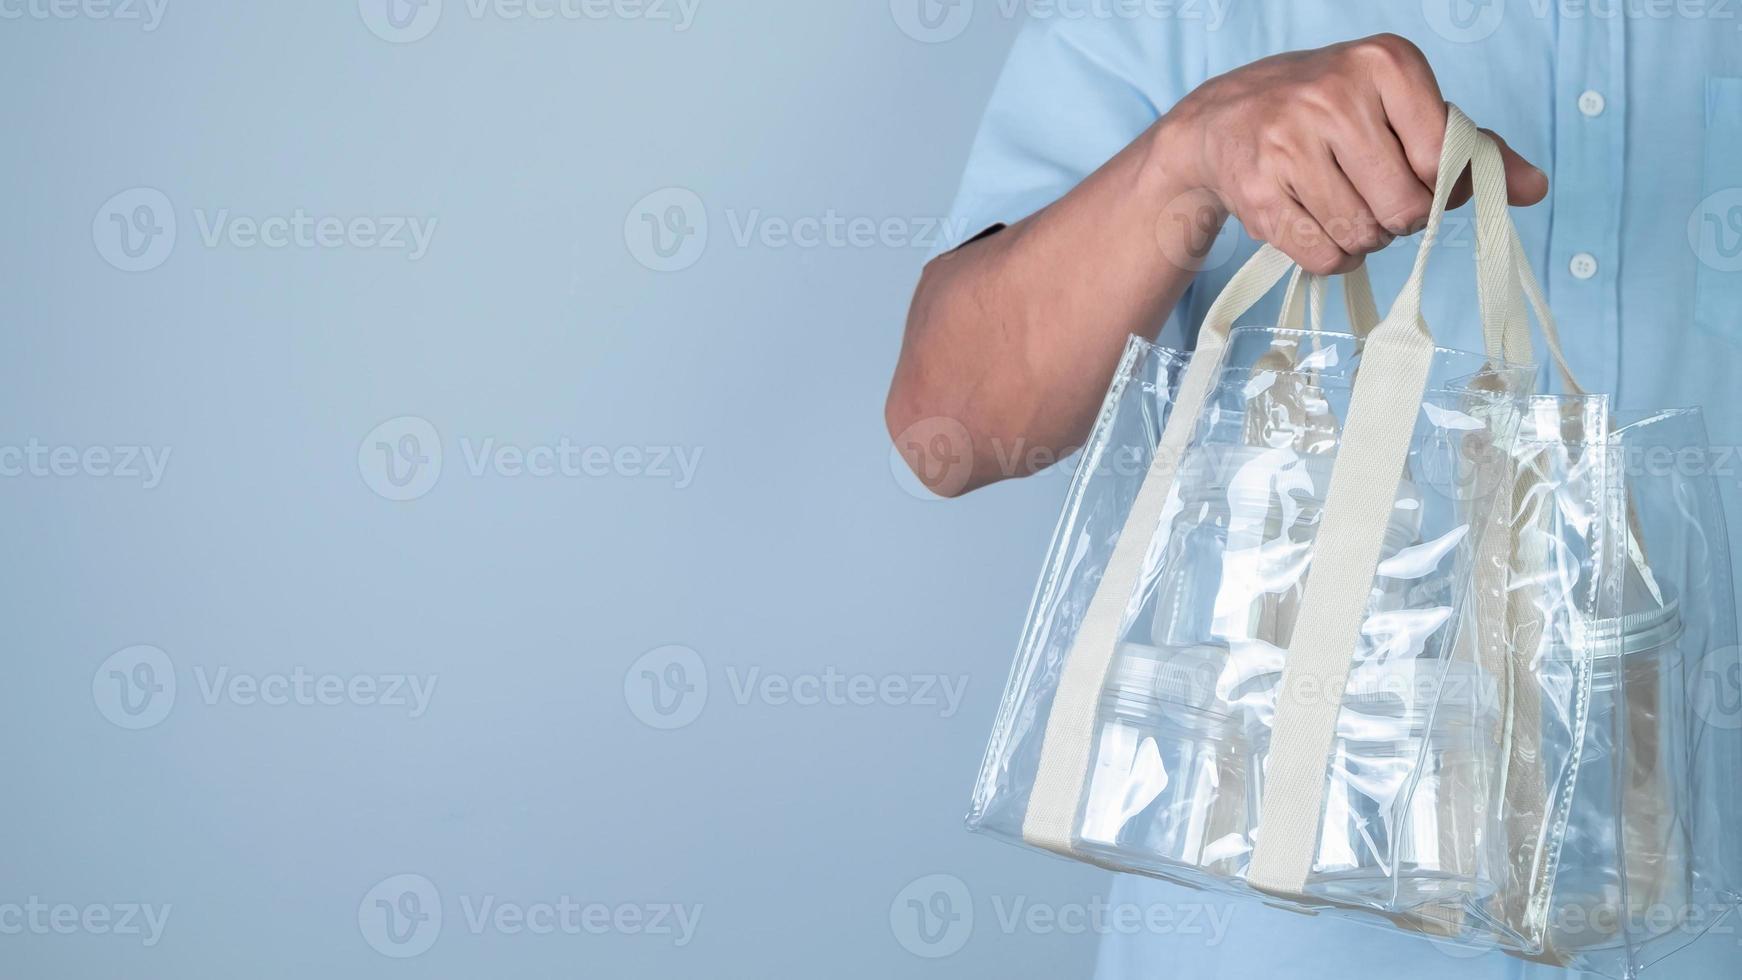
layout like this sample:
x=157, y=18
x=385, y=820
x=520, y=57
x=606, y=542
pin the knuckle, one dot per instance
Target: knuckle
x=1321, y=261
x=1392, y=49
x=1362, y=236
x=1325, y=101
x=1344, y=234
x=1258, y=201
x=1407, y=217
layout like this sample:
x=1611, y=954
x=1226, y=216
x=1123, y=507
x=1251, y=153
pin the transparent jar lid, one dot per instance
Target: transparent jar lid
x=1632, y=638
x=1641, y=631
x=1177, y=685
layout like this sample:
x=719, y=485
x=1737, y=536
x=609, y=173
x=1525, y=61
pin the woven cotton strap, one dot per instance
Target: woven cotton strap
x=1358, y=302
x=1053, y=804
x=1383, y=407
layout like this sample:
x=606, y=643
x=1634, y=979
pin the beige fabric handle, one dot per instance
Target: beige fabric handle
x=1051, y=820
x=1504, y=275
x=1358, y=303
x=1383, y=408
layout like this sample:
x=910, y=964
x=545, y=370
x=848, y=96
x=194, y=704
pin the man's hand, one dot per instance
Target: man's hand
x=1328, y=154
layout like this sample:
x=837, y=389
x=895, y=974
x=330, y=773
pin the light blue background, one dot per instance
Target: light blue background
x=266, y=551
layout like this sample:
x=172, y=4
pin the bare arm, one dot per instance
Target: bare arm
x=1326, y=154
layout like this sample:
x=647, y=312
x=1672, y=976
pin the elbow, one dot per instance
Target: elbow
x=938, y=450
x=925, y=423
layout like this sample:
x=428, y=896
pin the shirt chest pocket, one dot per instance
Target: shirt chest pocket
x=1715, y=229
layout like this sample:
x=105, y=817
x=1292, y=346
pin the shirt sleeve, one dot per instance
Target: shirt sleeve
x=1073, y=93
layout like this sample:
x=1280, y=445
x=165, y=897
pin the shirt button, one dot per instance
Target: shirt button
x=1584, y=265
x=1592, y=104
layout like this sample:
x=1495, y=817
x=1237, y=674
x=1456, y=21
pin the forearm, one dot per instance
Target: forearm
x=1014, y=337
x=1324, y=154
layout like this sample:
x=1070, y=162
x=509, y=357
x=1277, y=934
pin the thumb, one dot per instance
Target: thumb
x=1526, y=184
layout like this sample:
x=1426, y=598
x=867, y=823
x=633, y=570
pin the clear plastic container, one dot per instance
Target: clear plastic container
x=1408, y=762
x=1174, y=775
x=1625, y=863
x=1169, y=778
x=1650, y=860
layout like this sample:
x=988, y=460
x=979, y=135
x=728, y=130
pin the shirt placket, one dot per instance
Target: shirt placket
x=1584, y=273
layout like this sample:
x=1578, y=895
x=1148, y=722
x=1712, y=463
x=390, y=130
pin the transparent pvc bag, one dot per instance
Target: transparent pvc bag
x=1264, y=657
x=1650, y=858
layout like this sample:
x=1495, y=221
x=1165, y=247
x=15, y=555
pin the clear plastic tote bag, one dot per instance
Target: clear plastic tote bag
x=1278, y=649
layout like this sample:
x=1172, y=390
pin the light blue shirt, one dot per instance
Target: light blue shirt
x=1634, y=107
